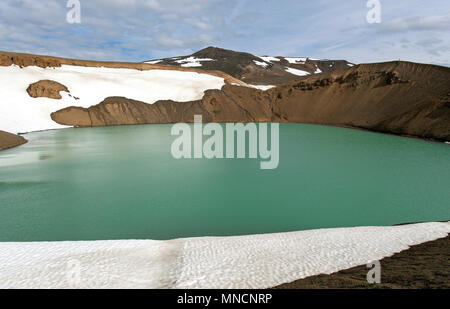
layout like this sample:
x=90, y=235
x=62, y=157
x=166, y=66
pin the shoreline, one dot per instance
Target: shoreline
x=422, y=266
x=433, y=140
x=245, y=262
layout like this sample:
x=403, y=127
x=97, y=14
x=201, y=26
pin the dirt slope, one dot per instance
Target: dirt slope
x=8, y=140
x=395, y=97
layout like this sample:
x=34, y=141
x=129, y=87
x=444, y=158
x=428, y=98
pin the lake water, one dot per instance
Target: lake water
x=122, y=183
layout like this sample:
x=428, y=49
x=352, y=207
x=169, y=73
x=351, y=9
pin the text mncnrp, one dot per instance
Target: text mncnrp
x=191, y=145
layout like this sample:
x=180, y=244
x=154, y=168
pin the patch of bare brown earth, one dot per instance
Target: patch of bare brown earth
x=9, y=140
x=423, y=266
x=396, y=97
x=46, y=88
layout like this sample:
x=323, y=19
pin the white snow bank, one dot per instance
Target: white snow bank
x=298, y=60
x=296, y=72
x=269, y=59
x=192, y=62
x=153, y=61
x=263, y=87
x=20, y=113
x=261, y=64
x=257, y=261
x=260, y=87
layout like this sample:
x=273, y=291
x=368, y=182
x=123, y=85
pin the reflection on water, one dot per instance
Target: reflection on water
x=19, y=158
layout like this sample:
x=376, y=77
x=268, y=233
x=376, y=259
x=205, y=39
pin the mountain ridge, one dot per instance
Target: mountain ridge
x=256, y=70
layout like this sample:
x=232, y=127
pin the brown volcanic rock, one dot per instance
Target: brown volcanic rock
x=8, y=140
x=46, y=88
x=123, y=111
x=231, y=104
x=74, y=116
x=25, y=60
x=395, y=97
x=237, y=104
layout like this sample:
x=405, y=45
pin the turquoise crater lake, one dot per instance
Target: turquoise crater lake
x=122, y=183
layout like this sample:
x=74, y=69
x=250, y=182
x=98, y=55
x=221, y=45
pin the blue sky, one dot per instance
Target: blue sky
x=137, y=30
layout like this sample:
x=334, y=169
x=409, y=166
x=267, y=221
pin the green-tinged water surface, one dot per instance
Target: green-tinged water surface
x=123, y=183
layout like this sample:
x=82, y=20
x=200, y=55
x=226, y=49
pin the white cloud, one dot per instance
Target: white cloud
x=137, y=30
x=417, y=23
x=198, y=23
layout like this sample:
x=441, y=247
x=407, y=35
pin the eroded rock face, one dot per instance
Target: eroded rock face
x=397, y=97
x=46, y=88
x=231, y=104
x=8, y=140
x=25, y=60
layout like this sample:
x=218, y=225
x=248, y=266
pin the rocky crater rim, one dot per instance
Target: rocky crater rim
x=398, y=98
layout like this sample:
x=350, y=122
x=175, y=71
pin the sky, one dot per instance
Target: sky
x=139, y=30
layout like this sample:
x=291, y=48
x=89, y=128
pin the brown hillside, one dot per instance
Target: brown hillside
x=8, y=140
x=396, y=97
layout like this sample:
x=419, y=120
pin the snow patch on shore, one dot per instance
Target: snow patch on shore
x=20, y=113
x=256, y=261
